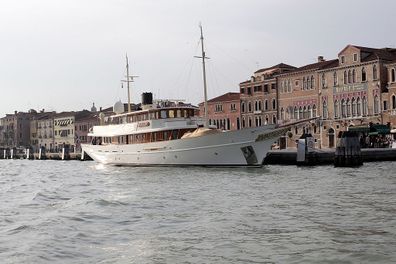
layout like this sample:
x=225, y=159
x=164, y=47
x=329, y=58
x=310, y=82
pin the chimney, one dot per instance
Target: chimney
x=321, y=58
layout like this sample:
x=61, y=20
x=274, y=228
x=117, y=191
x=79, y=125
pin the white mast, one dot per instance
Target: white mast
x=203, y=57
x=128, y=80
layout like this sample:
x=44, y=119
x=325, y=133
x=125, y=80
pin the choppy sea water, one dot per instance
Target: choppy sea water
x=82, y=212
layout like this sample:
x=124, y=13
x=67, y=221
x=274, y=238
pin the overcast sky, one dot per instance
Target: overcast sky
x=64, y=55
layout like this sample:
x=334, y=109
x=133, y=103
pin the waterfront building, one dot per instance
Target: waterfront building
x=1, y=132
x=64, y=130
x=84, y=121
x=343, y=92
x=259, y=96
x=223, y=111
x=42, y=131
x=390, y=95
x=16, y=130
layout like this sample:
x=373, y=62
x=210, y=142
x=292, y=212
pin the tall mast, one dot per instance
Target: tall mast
x=128, y=80
x=127, y=77
x=203, y=57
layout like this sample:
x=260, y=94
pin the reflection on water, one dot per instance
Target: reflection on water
x=83, y=212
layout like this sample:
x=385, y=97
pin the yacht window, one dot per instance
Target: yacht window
x=179, y=113
x=163, y=114
x=171, y=113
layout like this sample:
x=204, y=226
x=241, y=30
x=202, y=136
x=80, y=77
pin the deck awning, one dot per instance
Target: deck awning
x=379, y=130
x=359, y=129
x=373, y=130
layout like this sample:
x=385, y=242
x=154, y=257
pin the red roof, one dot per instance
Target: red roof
x=280, y=66
x=225, y=98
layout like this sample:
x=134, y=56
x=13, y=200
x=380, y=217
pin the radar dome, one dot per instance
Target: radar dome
x=118, y=108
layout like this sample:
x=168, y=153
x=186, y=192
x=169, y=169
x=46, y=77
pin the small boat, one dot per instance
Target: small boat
x=173, y=134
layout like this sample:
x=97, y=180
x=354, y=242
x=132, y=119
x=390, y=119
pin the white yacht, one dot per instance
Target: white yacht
x=174, y=135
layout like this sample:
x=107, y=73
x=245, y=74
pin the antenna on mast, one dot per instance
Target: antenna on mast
x=128, y=80
x=203, y=57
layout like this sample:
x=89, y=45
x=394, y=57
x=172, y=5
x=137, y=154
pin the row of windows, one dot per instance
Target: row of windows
x=258, y=88
x=143, y=138
x=353, y=107
x=350, y=76
x=343, y=108
x=301, y=112
x=221, y=123
x=258, y=121
x=258, y=106
x=219, y=107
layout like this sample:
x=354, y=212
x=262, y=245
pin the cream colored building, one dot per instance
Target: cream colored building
x=64, y=130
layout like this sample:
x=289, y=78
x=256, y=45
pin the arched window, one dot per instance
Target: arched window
x=273, y=119
x=364, y=106
x=345, y=77
x=305, y=112
x=243, y=107
x=295, y=112
x=349, y=76
x=250, y=122
x=308, y=83
x=376, y=104
x=364, y=77
x=324, y=110
x=353, y=76
x=266, y=105
x=343, y=108
x=354, y=107
x=243, y=122
x=358, y=107
x=375, y=73
x=282, y=114
x=255, y=106
x=300, y=113
x=348, y=104
x=289, y=86
x=336, y=109
x=314, y=111
x=393, y=75
x=266, y=120
x=312, y=82
x=323, y=81
x=309, y=111
x=273, y=104
x=304, y=83
x=393, y=102
x=335, y=79
x=250, y=106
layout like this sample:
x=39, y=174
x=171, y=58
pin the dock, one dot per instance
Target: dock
x=326, y=156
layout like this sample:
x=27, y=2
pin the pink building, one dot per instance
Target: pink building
x=223, y=111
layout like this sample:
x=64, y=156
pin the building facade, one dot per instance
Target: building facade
x=16, y=130
x=42, y=131
x=223, y=111
x=259, y=96
x=64, y=130
x=83, y=123
x=349, y=91
x=390, y=95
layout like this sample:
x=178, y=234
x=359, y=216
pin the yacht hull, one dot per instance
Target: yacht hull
x=246, y=147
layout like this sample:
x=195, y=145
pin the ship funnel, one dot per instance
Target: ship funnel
x=147, y=101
